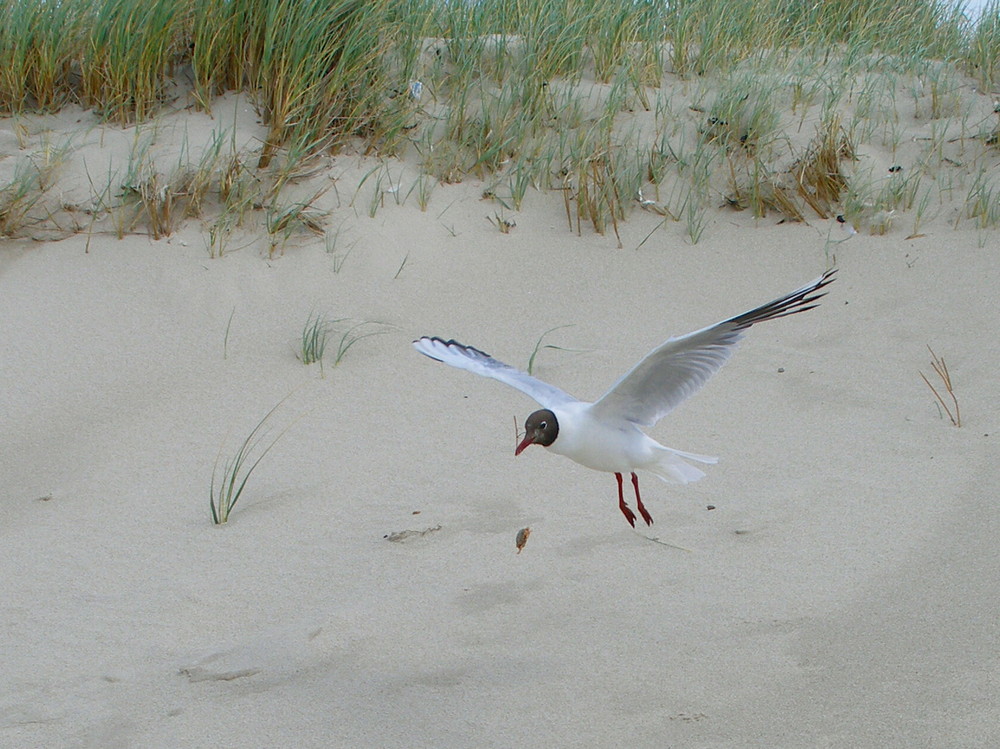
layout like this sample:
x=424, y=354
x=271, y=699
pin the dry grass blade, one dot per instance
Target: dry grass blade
x=818, y=176
x=17, y=198
x=502, y=223
x=598, y=197
x=756, y=188
x=941, y=369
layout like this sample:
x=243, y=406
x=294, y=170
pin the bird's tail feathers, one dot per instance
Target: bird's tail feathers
x=672, y=468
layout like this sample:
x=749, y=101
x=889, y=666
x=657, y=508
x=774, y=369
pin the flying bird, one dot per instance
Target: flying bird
x=605, y=435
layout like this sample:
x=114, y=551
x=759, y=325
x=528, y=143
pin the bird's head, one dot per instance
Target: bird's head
x=540, y=428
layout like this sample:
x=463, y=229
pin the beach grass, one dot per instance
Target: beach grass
x=283, y=220
x=234, y=475
x=539, y=346
x=356, y=333
x=322, y=70
x=519, y=93
x=315, y=334
x=17, y=197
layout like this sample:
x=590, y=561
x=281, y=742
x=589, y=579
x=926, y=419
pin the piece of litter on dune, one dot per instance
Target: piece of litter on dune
x=522, y=538
x=416, y=88
x=403, y=535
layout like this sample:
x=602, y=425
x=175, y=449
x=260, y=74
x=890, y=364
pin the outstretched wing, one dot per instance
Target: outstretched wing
x=678, y=368
x=480, y=363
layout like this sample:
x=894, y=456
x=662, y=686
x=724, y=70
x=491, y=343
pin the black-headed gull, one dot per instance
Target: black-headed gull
x=605, y=435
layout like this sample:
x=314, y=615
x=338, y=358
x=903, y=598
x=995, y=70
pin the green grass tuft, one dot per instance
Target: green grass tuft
x=314, y=337
x=237, y=471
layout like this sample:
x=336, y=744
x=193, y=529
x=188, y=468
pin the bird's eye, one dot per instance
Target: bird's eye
x=543, y=425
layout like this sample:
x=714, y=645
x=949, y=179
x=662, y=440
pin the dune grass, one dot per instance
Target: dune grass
x=234, y=475
x=40, y=42
x=18, y=197
x=321, y=70
x=355, y=333
x=282, y=220
x=519, y=93
x=129, y=50
x=539, y=347
x=315, y=334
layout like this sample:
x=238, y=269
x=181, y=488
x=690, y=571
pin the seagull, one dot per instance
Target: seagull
x=605, y=435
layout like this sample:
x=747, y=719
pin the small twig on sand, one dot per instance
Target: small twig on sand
x=656, y=540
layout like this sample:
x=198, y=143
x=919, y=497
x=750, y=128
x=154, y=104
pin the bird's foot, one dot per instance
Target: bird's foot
x=629, y=515
x=627, y=512
x=645, y=515
x=638, y=501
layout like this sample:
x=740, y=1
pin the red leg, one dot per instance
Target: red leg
x=629, y=515
x=638, y=500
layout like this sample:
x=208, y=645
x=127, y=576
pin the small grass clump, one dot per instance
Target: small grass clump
x=18, y=197
x=756, y=187
x=982, y=202
x=237, y=471
x=282, y=220
x=314, y=337
x=875, y=203
x=818, y=176
x=161, y=199
x=744, y=115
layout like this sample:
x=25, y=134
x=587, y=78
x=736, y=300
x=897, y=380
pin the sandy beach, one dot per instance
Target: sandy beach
x=366, y=591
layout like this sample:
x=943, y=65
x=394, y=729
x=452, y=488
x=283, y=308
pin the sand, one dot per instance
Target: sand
x=841, y=593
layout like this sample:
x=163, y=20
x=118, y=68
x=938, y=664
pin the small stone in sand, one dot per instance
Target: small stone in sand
x=522, y=538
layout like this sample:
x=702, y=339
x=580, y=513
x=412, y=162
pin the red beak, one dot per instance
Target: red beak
x=528, y=440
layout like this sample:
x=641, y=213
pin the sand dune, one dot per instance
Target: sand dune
x=841, y=593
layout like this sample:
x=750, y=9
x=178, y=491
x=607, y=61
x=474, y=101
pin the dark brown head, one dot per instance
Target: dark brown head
x=540, y=428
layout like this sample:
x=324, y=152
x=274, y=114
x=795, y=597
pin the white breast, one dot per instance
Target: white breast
x=615, y=447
